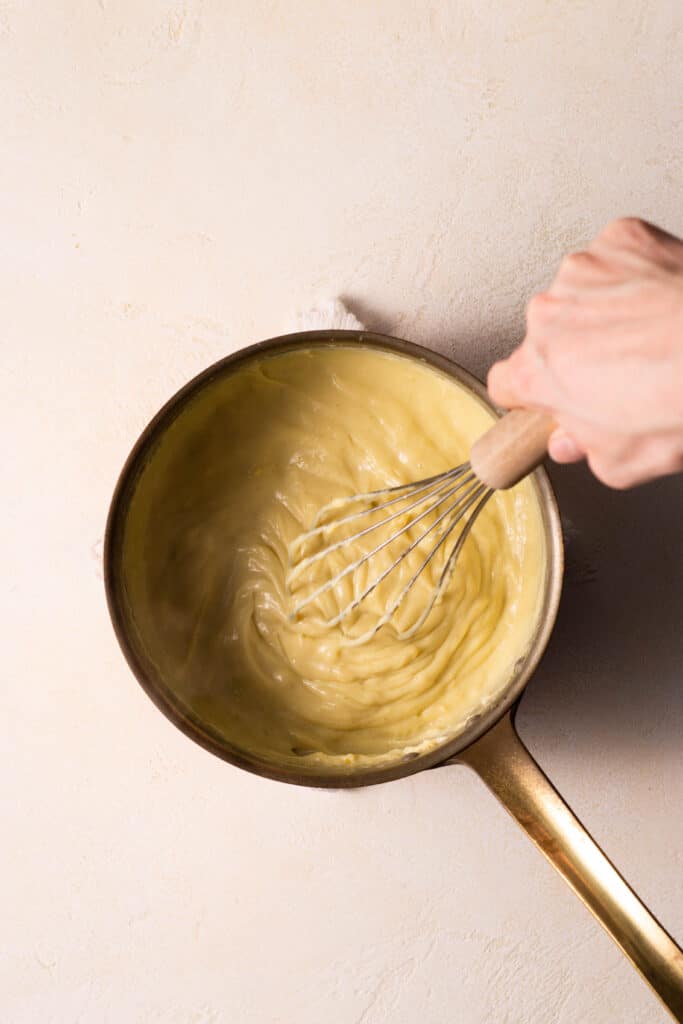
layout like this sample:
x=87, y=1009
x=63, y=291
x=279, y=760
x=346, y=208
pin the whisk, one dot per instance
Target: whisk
x=440, y=509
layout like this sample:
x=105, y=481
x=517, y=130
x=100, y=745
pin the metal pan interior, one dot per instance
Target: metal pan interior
x=131, y=621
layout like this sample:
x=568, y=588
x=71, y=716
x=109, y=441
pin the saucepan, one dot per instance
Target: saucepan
x=489, y=745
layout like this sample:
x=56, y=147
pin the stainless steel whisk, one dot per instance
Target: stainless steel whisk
x=447, y=503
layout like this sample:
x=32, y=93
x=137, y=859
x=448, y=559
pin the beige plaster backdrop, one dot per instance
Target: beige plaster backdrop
x=178, y=179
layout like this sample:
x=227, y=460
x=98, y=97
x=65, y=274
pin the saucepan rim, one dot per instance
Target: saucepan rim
x=191, y=724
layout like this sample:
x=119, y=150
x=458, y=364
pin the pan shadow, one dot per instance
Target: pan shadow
x=613, y=671
x=472, y=346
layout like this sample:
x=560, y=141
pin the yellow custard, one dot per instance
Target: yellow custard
x=239, y=474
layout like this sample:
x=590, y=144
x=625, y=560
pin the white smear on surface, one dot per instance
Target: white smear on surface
x=330, y=314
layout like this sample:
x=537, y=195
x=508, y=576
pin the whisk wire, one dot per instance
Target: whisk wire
x=483, y=494
x=499, y=459
x=410, y=631
x=433, y=491
x=404, y=554
x=413, y=488
x=317, y=531
x=354, y=566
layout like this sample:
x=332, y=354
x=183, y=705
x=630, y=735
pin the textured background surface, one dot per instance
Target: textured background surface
x=177, y=179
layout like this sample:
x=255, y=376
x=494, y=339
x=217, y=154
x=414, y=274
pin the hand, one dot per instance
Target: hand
x=603, y=353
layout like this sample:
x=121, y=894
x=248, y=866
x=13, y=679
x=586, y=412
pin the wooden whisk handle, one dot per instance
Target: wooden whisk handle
x=513, y=447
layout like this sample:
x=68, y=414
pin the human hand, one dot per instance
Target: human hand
x=603, y=353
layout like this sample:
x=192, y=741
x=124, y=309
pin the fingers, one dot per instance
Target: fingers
x=618, y=476
x=523, y=379
x=635, y=233
x=580, y=272
x=519, y=380
x=598, y=356
x=563, y=448
x=636, y=244
x=638, y=462
x=501, y=386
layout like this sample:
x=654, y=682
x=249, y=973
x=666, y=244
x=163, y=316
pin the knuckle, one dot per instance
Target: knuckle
x=613, y=473
x=617, y=479
x=627, y=229
x=522, y=372
x=541, y=308
x=574, y=261
x=672, y=463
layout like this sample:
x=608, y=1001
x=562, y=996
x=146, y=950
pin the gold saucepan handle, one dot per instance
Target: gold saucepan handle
x=502, y=761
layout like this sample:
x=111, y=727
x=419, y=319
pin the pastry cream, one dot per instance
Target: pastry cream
x=238, y=475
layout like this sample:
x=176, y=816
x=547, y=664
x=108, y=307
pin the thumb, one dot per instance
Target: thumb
x=562, y=447
x=519, y=381
x=501, y=385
